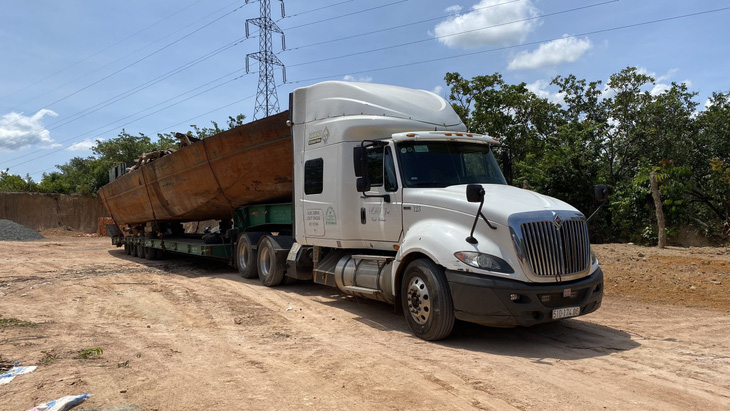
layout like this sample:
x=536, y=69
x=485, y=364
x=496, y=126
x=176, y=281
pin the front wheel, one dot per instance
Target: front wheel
x=426, y=300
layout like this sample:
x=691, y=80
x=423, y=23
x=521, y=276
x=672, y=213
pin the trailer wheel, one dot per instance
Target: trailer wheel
x=133, y=250
x=140, y=251
x=150, y=253
x=127, y=248
x=270, y=266
x=426, y=300
x=246, y=257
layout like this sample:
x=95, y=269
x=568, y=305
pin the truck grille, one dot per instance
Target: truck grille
x=555, y=248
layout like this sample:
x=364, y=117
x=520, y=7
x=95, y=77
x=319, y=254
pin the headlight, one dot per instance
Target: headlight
x=484, y=261
x=594, y=261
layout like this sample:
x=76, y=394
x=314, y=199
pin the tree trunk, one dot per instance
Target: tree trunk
x=661, y=225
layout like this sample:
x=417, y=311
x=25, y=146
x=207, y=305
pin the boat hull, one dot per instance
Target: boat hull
x=248, y=164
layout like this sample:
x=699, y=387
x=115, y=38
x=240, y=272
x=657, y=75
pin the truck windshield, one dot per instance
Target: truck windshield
x=447, y=163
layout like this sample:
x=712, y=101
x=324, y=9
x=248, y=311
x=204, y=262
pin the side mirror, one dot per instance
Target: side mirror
x=601, y=193
x=507, y=165
x=363, y=184
x=359, y=159
x=474, y=193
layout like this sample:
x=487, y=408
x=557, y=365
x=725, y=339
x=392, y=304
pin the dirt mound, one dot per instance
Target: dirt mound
x=12, y=231
x=693, y=276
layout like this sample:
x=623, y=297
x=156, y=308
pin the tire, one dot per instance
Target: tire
x=150, y=253
x=133, y=250
x=127, y=248
x=245, y=258
x=140, y=251
x=426, y=300
x=270, y=265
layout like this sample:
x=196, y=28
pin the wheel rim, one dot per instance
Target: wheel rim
x=266, y=261
x=419, y=300
x=242, y=255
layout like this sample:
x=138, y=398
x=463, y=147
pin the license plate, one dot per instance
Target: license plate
x=566, y=312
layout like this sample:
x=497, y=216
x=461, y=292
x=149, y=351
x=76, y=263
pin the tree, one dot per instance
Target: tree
x=14, y=182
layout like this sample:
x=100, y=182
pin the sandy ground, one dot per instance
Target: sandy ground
x=185, y=334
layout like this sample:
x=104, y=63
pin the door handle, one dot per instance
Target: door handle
x=363, y=215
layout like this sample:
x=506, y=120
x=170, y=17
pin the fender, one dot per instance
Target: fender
x=438, y=239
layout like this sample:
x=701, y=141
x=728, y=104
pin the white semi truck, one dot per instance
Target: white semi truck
x=394, y=200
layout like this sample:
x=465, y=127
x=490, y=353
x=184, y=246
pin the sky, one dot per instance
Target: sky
x=76, y=71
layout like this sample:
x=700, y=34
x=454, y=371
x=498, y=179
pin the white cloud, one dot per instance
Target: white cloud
x=490, y=22
x=366, y=79
x=82, y=145
x=438, y=90
x=565, y=50
x=455, y=9
x=660, y=88
x=540, y=89
x=18, y=131
x=708, y=103
x=607, y=92
x=659, y=78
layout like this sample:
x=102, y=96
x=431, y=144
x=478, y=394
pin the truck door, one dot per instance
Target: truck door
x=381, y=216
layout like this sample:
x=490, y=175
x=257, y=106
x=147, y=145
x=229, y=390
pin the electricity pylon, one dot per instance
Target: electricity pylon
x=267, y=100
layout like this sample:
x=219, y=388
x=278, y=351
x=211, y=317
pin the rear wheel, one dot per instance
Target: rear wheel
x=133, y=250
x=426, y=300
x=150, y=253
x=271, y=266
x=246, y=257
x=127, y=248
x=140, y=251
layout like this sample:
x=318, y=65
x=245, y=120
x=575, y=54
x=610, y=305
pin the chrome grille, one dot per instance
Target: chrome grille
x=551, y=250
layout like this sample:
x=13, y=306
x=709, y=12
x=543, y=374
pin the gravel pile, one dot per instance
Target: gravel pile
x=12, y=231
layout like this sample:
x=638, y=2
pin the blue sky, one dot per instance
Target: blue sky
x=75, y=71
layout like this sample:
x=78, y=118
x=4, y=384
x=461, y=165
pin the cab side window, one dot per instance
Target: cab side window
x=314, y=176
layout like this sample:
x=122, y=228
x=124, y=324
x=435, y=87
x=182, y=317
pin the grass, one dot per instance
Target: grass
x=14, y=322
x=90, y=352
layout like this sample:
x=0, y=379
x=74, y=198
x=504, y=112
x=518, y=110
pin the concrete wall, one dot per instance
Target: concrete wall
x=43, y=211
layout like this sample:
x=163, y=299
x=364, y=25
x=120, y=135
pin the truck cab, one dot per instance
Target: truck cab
x=394, y=200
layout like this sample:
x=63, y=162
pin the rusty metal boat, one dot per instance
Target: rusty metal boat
x=248, y=164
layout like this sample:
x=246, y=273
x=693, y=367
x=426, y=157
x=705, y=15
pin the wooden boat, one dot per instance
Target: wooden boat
x=248, y=164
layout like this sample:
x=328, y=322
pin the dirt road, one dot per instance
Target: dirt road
x=182, y=334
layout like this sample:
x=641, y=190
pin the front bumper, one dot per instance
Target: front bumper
x=486, y=300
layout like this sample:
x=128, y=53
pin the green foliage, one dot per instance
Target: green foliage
x=90, y=352
x=14, y=322
x=615, y=138
x=13, y=182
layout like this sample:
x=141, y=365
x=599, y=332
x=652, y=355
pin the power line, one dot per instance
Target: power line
x=145, y=57
x=141, y=59
x=175, y=125
x=347, y=15
x=143, y=86
x=627, y=26
x=454, y=34
x=397, y=27
x=317, y=9
x=102, y=50
x=134, y=114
